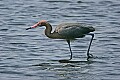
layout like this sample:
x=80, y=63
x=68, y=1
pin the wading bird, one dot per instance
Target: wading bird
x=67, y=31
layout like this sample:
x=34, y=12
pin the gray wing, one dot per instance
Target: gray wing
x=72, y=30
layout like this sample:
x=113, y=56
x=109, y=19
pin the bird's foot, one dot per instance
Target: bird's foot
x=89, y=56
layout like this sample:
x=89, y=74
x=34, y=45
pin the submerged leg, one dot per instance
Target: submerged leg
x=88, y=54
x=68, y=41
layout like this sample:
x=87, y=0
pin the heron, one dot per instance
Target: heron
x=67, y=31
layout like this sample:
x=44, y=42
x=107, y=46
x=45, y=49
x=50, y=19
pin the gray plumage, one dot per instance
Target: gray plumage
x=73, y=30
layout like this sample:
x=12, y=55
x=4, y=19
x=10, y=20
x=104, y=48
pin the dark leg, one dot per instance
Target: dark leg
x=88, y=54
x=68, y=41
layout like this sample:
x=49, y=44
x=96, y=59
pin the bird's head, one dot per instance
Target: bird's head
x=40, y=23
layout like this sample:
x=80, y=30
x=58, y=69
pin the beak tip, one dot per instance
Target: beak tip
x=28, y=28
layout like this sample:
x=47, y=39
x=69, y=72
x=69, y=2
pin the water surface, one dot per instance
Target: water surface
x=30, y=55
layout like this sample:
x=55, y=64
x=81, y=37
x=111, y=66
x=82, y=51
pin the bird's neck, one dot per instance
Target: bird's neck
x=48, y=29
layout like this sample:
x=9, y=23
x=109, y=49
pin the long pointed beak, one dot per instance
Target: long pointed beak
x=34, y=26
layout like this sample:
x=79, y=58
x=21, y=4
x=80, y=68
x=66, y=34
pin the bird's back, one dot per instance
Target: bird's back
x=73, y=30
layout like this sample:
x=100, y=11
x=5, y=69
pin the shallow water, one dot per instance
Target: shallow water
x=30, y=55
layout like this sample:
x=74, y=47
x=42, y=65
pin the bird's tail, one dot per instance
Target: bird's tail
x=91, y=29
